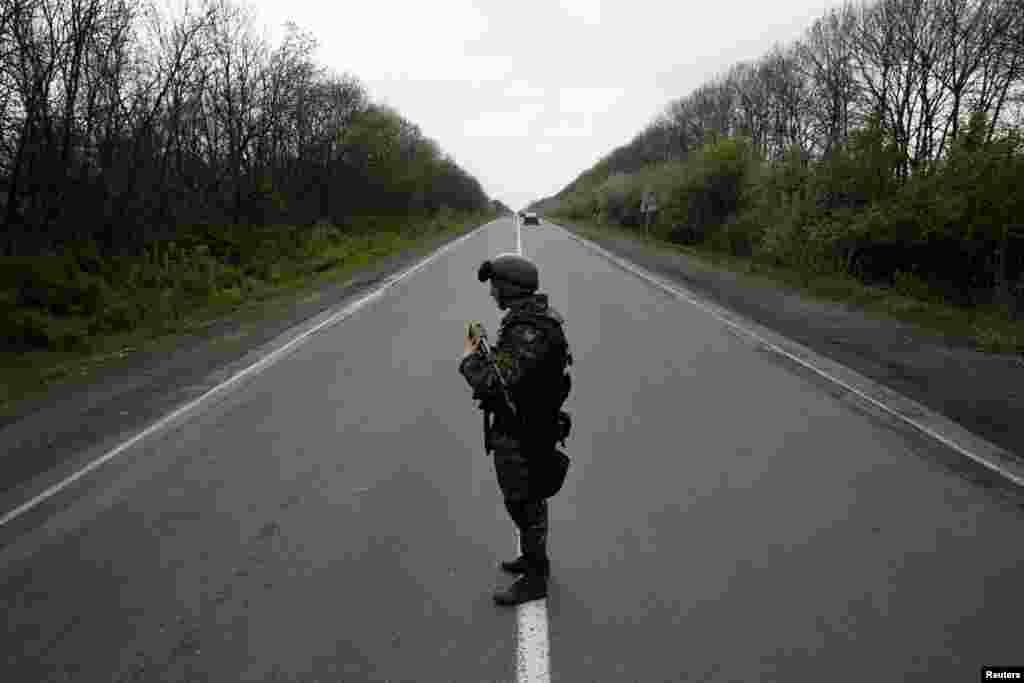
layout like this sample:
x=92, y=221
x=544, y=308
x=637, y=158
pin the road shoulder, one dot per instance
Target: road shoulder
x=47, y=431
x=982, y=392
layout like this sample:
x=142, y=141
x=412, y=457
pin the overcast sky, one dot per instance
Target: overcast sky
x=525, y=95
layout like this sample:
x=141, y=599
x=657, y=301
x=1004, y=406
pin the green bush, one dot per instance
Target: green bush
x=56, y=302
x=935, y=232
x=915, y=287
x=742, y=235
x=88, y=256
x=618, y=198
x=121, y=316
x=231, y=296
x=55, y=284
x=36, y=329
x=860, y=172
x=711, y=192
x=784, y=238
x=27, y=327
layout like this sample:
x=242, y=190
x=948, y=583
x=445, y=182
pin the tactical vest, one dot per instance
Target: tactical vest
x=539, y=397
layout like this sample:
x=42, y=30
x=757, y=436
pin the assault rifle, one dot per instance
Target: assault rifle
x=476, y=330
x=554, y=468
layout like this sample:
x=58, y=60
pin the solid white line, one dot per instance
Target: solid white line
x=254, y=368
x=532, y=659
x=532, y=663
x=1014, y=477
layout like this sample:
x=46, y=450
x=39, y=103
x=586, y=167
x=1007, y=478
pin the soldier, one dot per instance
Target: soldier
x=532, y=356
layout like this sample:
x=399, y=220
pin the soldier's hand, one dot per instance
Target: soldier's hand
x=472, y=338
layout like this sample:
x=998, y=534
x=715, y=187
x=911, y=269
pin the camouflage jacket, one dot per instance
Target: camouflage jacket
x=522, y=351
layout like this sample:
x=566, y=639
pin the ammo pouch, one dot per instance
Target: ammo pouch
x=543, y=397
x=555, y=468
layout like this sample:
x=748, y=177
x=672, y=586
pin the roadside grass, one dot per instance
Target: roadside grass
x=187, y=291
x=988, y=328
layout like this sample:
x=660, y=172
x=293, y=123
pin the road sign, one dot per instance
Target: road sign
x=648, y=203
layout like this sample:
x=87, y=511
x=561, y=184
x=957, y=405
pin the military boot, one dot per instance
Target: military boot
x=518, y=566
x=531, y=586
x=534, y=564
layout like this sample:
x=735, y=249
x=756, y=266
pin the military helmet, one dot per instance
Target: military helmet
x=510, y=273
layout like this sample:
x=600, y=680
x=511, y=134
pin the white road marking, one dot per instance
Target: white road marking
x=945, y=431
x=259, y=365
x=532, y=660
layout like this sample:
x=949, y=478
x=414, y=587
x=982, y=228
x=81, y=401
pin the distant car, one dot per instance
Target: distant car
x=530, y=218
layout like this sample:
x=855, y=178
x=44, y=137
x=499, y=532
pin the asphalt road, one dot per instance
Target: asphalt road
x=728, y=517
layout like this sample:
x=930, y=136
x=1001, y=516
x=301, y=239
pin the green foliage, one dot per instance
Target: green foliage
x=55, y=284
x=694, y=196
x=980, y=187
x=915, y=287
x=57, y=302
x=618, y=198
x=35, y=328
x=861, y=172
x=938, y=234
x=944, y=224
x=713, y=191
x=120, y=316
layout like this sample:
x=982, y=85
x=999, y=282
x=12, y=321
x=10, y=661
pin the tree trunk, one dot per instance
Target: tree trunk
x=12, y=190
x=1002, y=283
x=1010, y=284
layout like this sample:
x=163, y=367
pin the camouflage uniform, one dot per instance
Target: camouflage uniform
x=523, y=353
